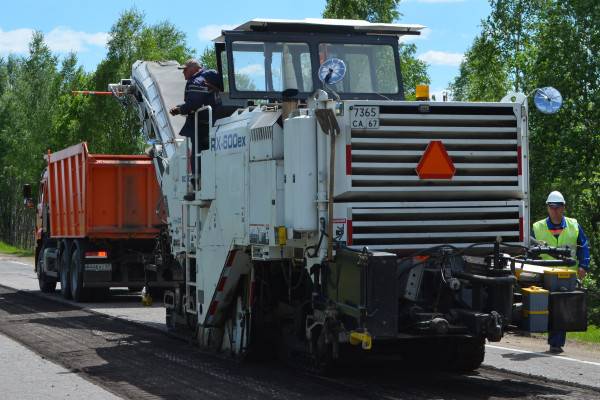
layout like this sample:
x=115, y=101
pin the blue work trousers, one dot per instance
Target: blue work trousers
x=557, y=338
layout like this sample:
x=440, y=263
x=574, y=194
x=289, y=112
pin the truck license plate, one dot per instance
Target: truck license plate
x=98, y=267
x=364, y=117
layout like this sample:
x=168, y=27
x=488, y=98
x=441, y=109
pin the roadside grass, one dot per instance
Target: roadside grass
x=15, y=251
x=592, y=335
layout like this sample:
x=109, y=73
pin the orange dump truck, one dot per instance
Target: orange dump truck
x=99, y=225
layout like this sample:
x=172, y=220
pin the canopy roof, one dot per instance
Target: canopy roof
x=325, y=26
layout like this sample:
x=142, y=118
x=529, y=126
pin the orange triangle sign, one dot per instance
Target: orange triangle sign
x=435, y=162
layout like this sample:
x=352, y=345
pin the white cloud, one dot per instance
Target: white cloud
x=59, y=39
x=425, y=32
x=15, y=41
x=442, y=58
x=63, y=39
x=439, y=94
x=210, y=32
x=251, y=69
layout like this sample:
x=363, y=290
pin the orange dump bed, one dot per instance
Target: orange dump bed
x=101, y=196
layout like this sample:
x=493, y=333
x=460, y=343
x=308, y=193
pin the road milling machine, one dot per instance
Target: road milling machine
x=331, y=218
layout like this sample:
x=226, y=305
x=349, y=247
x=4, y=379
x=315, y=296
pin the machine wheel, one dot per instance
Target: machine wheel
x=47, y=285
x=467, y=356
x=65, y=278
x=101, y=294
x=78, y=292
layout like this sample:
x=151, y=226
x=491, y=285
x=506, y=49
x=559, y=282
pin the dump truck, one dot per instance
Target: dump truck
x=330, y=217
x=98, y=226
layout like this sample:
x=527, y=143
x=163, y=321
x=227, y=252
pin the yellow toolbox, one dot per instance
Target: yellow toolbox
x=535, y=309
x=560, y=280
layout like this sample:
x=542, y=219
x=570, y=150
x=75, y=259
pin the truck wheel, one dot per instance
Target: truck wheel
x=47, y=285
x=78, y=292
x=468, y=355
x=65, y=278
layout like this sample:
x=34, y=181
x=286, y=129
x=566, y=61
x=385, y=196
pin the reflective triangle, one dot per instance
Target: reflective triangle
x=435, y=162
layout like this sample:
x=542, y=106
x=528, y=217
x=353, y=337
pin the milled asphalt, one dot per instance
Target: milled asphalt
x=526, y=360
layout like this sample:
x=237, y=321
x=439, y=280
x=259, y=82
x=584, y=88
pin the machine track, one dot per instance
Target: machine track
x=136, y=362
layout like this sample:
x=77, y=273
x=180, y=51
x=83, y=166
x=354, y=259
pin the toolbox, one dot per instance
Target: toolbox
x=560, y=280
x=535, y=309
x=568, y=311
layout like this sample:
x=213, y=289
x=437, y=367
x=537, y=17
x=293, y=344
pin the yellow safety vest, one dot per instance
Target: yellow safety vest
x=568, y=237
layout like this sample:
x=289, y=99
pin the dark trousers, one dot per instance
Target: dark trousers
x=202, y=145
x=557, y=338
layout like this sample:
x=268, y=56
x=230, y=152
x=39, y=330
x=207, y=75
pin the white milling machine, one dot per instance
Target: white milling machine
x=293, y=244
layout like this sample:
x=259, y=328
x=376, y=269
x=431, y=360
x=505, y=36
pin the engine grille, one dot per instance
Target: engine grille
x=482, y=139
x=415, y=226
x=387, y=206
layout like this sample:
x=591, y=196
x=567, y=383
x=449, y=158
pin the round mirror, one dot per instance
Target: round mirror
x=332, y=71
x=548, y=100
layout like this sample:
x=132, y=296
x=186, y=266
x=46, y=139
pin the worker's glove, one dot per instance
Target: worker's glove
x=175, y=111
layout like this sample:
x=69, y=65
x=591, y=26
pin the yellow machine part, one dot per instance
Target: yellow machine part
x=362, y=338
x=534, y=289
x=561, y=273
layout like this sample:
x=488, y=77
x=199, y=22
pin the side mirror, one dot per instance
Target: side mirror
x=27, y=191
x=27, y=198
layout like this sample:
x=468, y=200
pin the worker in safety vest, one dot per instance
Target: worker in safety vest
x=560, y=231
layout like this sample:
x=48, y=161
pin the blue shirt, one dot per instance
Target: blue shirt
x=197, y=94
x=583, y=247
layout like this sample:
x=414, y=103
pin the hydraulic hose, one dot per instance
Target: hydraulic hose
x=487, y=280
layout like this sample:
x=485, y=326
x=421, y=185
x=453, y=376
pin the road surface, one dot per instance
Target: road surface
x=106, y=344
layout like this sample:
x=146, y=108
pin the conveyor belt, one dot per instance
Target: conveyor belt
x=162, y=85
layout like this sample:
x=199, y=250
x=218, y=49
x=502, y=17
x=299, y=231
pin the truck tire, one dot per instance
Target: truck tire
x=467, y=356
x=78, y=292
x=65, y=276
x=47, y=284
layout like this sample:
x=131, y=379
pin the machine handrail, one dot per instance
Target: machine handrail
x=195, y=150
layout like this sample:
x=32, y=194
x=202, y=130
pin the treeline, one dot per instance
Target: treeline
x=39, y=113
x=527, y=44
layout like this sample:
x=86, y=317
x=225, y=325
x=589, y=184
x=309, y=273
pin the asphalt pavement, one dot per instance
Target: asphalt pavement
x=579, y=365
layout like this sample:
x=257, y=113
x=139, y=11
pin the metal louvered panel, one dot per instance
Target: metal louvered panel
x=406, y=227
x=483, y=140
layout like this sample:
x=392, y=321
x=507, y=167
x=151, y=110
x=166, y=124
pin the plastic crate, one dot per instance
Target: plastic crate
x=535, y=309
x=560, y=280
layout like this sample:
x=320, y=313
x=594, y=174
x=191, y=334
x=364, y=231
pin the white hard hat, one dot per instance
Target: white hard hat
x=555, y=197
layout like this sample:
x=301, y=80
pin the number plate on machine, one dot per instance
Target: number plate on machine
x=364, y=117
x=98, y=267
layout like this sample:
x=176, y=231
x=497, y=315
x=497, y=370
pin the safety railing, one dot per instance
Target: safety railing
x=195, y=150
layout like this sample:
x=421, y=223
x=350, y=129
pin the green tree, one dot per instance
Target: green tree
x=116, y=129
x=38, y=111
x=369, y=10
x=483, y=76
x=524, y=45
x=208, y=58
x=414, y=71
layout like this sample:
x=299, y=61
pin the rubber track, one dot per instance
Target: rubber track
x=135, y=362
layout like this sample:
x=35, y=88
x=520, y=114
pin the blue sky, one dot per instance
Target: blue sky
x=82, y=25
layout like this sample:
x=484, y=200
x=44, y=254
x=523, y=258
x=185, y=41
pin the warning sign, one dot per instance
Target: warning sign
x=435, y=162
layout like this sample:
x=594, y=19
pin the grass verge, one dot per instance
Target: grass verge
x=592, y=335
x=15, y=251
